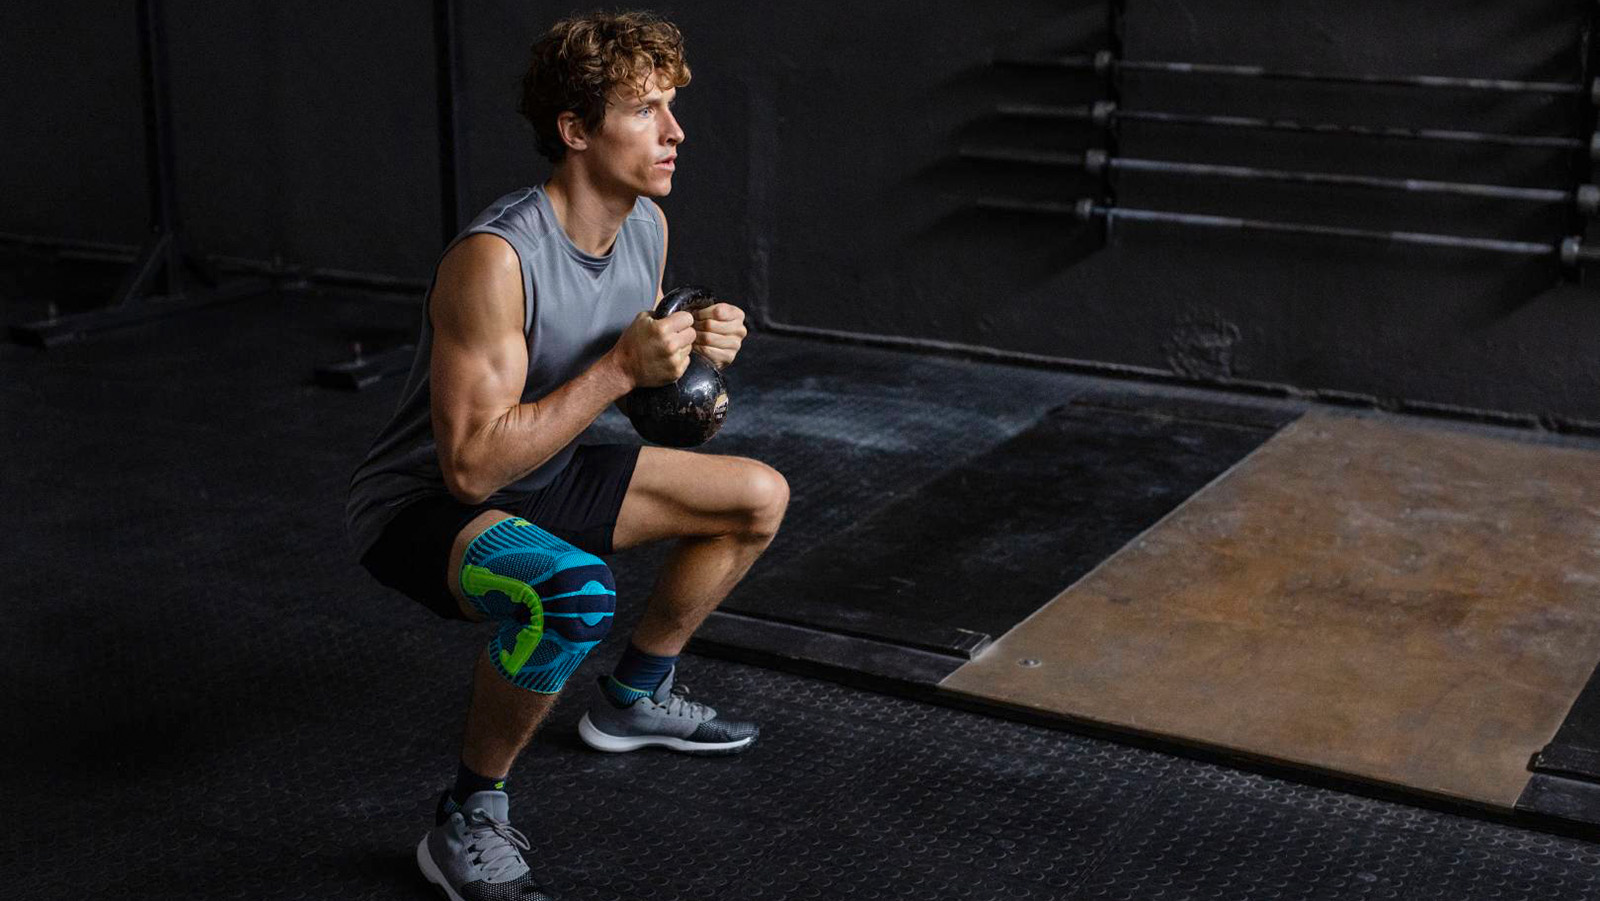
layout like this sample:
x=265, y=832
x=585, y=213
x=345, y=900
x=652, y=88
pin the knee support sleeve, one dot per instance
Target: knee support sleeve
x=551, y=602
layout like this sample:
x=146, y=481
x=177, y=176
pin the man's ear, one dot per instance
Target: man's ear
x=570, y=126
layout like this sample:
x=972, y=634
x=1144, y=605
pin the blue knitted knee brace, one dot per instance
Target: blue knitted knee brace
x=553, y=602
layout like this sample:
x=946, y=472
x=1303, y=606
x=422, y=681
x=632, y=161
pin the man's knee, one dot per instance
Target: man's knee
x=552, y=602
x=766, y=494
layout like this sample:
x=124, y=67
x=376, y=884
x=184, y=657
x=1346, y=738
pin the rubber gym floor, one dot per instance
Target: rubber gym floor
x=205, y=697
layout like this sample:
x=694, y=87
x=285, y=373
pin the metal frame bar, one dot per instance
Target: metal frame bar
x=1583, y=167
x=1104, y=61
x=1116, y=25
x=1407, y=185
x=161, y=261
x=1236, y=223
x=1569, y=251
x=159, y=162
x=360, y=371
x=1096, y=163
x=1107, y=114
x=447, y=79
x=1410, y=81
x=59, y=330
x=276, y=272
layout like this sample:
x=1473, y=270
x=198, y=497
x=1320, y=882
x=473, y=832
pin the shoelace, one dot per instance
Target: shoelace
x=496, y=843
x=678, y=699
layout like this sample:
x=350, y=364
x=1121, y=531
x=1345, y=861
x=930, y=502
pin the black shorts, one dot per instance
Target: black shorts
x=580, y=506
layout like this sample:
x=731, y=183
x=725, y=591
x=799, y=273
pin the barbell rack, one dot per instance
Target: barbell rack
x=1569, y=252
x=1098, y=162
x=1104, y=62
x=1107, y=114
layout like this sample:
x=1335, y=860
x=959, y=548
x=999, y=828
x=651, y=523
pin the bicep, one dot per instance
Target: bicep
x=479, y=361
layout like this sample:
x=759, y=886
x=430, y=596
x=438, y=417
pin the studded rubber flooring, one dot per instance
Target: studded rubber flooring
x=203, y=697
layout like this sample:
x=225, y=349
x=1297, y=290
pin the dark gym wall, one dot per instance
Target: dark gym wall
x=307, y=130
x=73, y=152
x=821, y=179
x=302, y=130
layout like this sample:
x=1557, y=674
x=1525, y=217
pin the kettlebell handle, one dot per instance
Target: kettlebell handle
x=688, y=297
x=685, y=413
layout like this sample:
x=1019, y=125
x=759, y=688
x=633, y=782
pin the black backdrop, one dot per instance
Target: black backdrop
x=820, y=181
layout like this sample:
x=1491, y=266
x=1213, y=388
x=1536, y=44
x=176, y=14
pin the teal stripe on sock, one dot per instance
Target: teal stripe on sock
x=622, y=695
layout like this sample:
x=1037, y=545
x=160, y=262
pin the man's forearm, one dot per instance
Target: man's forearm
x=527, y=435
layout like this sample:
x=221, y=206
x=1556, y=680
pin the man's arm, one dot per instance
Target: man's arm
x=719, y=328
x=486, y=437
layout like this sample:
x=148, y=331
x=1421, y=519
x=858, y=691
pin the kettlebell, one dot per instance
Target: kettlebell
x=685, y=413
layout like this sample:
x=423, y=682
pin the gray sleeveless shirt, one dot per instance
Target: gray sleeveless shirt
x=575, y=306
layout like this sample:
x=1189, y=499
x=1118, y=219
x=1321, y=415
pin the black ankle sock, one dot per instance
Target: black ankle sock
x=469, y=783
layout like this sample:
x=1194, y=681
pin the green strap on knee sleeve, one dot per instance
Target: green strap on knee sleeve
x=477, y=581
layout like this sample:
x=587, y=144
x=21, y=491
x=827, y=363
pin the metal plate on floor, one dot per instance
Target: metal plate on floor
x=1408, y=605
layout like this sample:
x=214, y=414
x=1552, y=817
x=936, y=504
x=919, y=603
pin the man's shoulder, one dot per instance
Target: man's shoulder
x=484, y=250
x=482, y=261
x=517, y=217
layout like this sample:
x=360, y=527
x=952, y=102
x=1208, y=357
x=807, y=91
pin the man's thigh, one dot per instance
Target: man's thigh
x=579, y=506
x=676, y=493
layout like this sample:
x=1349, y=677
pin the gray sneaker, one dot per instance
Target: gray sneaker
x=666, y=719
x=475, y=854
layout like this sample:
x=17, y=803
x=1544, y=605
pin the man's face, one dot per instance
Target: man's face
x=639, y=138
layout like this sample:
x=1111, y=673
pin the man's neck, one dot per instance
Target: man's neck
x=590, y=217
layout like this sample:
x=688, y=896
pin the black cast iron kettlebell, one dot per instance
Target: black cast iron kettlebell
x=685, y=413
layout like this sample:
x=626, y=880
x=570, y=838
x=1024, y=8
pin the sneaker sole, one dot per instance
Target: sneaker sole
x=616, y=744
x=430, y=871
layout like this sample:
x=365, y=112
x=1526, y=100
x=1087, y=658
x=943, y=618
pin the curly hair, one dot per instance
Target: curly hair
x=578, y=63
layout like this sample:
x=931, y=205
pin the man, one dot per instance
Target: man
x=475, y=499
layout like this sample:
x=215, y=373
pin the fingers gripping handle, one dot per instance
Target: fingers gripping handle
x=689, y=411
x=688, y=297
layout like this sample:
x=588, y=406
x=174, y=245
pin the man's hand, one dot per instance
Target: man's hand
x=719, y=332
x=653, y=351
